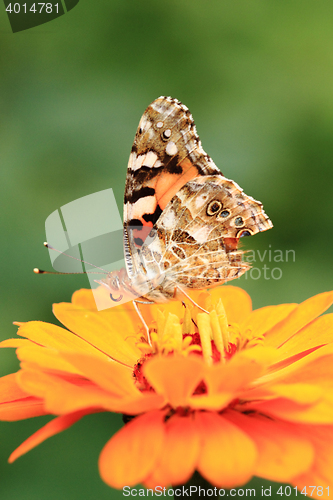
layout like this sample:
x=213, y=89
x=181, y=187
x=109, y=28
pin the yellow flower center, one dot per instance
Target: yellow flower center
x=209, y=335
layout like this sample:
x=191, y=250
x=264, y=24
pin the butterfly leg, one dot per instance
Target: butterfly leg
x=189, y=298
x=136, y=307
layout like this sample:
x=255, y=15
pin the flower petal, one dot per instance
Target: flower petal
x=211, y=401
x=320, y=412
x=244, y=367
x=228, y=456
x=237, y=303
x=318, y=478
x=317, y=333
x=44, y=359
x=9, y=389
x=50, y=429
x=84, y=298
x=15, y=404
x=301, y=316
x=118, y=381
x=55, y=337
x=175, y=377
x=130, y=455
x=95, y=328
x=314, y=367
x=283, y=452
x=262, y=320
x=22, y=408
x=113, y=377
x=63, y=396
x=299, y=393
x=226, y=382
x=302, y=391
x=87, y=299
x=15, y=343
x=148, y=401
x=180, y=453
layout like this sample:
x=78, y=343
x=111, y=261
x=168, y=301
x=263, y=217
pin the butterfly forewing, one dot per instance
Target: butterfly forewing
x=166, y=154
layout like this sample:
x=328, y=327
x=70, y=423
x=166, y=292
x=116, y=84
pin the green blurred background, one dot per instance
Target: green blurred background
x=257, y=76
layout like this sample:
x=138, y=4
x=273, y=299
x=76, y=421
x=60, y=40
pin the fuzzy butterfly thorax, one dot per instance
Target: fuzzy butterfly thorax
x=182, y=217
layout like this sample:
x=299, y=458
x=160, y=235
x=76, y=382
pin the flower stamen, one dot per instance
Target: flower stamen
x=207, y=334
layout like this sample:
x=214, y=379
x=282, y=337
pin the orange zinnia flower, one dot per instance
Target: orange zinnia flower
x=231, y=394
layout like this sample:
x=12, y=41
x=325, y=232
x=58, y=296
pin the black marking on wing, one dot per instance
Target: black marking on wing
x=135, y=223
x=138, y=178
x=153, y=217
x=134, y=196
x=145, y=173
x=172, y=165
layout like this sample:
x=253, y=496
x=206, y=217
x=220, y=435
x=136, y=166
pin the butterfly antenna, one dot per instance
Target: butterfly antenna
x=41, y=271
x=71, y=257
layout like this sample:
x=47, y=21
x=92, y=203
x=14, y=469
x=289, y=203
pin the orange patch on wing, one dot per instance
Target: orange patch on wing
x=231, y=244
x=142, y=232
x=167, y=185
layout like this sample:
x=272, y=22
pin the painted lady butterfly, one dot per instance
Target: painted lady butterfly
x=182, y=217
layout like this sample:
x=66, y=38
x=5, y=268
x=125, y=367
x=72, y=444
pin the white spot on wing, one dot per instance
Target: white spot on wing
x=131, y=161
x=144, y=205
x=150, y=159
x=157, y=164
x=171, y=149
x=137, y=162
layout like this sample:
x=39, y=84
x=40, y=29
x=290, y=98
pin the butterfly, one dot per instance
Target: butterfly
x=182, y=217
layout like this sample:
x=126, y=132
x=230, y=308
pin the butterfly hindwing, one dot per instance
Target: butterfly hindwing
x=220, y=203
x=187, y=245
x=207, y=209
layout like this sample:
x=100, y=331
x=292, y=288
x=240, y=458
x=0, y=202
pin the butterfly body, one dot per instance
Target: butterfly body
x=182, y=217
